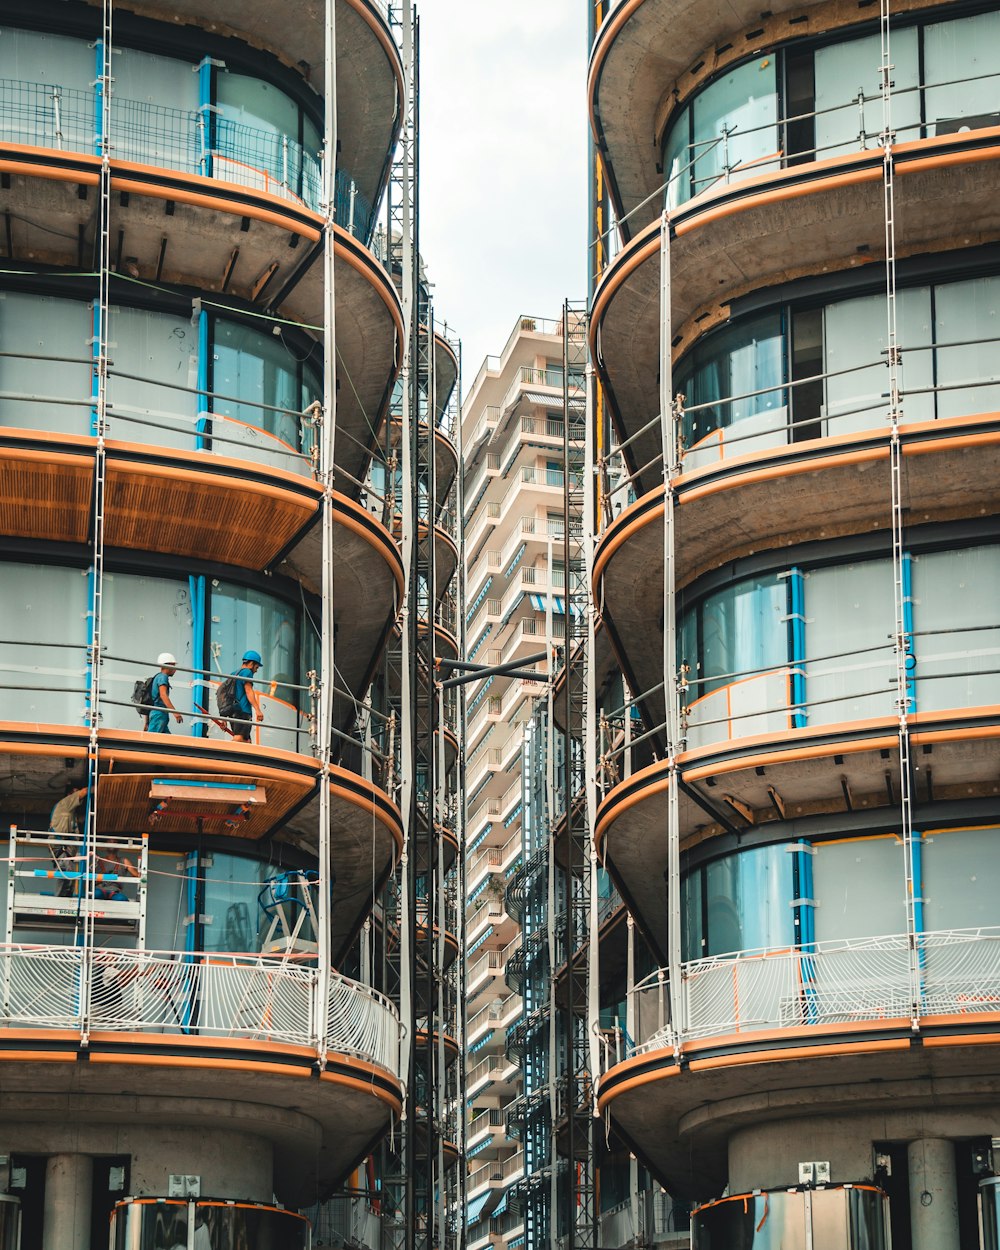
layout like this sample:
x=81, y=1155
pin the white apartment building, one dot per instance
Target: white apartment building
x=512, y=426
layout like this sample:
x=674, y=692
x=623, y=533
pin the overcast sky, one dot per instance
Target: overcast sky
x=503, y=163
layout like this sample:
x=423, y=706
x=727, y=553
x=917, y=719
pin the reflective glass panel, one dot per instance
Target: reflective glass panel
x=845, y=70
x=957, y=627
x=960, y=68
x=735, y=125
x=966, y=327
x=232, y=887
x=960, y=870
x=743, y=631
x=850, y=614
x=58, y=331
x=152, y=383
x=852, y=884
x=740, y=902
x=46, y=90
x=263, y=386
x=855, y=332
x=43, y=621
x=144, y=616
x=738, y=366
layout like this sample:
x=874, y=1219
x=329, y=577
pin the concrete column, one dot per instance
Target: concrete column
x=933, y=1194
x=68, y=1182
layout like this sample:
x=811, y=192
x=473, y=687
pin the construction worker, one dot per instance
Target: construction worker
x=247, y=699
x=64, y=819
x=159, y=719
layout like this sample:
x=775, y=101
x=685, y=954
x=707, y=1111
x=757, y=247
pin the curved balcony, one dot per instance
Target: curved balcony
x=640, y=50
x=815, y=490
x=736, y=238
x=183, y=1020
x=804, y=1027
x=176, y=225
x=368, y=66
x=446, y=369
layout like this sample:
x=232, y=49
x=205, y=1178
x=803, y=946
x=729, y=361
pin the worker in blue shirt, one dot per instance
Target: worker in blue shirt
x=159, y=719
x=247, y=699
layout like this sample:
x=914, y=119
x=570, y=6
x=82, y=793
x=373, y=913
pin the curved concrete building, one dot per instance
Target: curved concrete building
x=181, y=1048
x=806, y=290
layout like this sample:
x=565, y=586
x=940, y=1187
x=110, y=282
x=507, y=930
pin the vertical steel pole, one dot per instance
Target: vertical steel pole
x=328, y=432
x=668, y=440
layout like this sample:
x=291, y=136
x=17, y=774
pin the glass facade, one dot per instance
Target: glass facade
x=812, y=645
x=44, y=623
x=807, y=371
x=152, y=1223
x=165, y=111
x=802, y=104
x=195, y=382
x=838, y=1218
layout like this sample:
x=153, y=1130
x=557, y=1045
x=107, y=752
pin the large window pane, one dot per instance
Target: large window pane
x=737, y=365
x=154, y=117
x=38, y=325
x=747, y=903
x=262, y=387
x=960, y=870
x=859, y=889
x=40, y=606
x=232, y=886
x=743, y=630
x=735, y=125
x=165, y=902
x=967, y=315
x=845, y=70
x=46, y=90
x=257, y=134
x=850, y=616
x=957, y=625
x=677, y=160
x=960, y=57
x=740, y=679
x=855, y=332
x=157, y=403
x=144, y=616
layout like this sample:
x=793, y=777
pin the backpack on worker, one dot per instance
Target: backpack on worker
x=226, y=700
x=142, y=695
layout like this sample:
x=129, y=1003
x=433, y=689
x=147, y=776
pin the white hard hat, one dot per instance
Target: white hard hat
x=165, y=659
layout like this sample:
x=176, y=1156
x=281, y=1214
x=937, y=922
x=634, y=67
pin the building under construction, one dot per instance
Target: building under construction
x=797, y=568
x=228, y=445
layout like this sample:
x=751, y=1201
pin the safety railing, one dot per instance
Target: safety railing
x=738, y=151
x=48, y=682
x=951, y=667
x=159, y=411
x=199, y=141
x=830, y=982
x=204, y=995
x=854, y=400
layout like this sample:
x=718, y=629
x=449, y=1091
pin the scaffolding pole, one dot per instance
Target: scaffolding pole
x=100, y=429
x=902, y=638
x=327, y=448
x=671, y=468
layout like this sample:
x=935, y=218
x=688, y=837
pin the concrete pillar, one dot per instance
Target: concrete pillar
x=933, y=1194
x=68, y=1185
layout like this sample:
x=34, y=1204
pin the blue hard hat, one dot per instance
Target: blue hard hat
x=253, y=657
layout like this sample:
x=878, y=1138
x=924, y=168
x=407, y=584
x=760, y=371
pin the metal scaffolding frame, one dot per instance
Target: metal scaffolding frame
x=420, y=1189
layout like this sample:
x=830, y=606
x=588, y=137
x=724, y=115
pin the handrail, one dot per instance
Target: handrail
x=823, y=983
x=211, y=993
